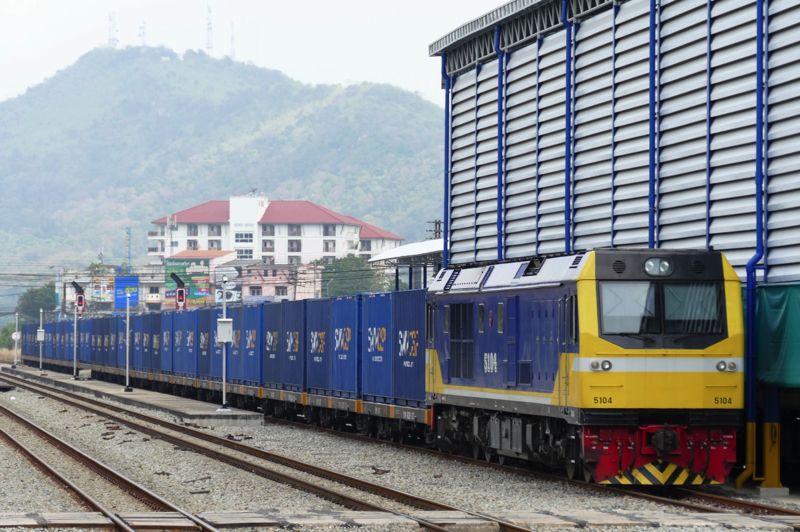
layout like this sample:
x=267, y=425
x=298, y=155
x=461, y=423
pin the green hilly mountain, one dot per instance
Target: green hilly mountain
x=122, y=137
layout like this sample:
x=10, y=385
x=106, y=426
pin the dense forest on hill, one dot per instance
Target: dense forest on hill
x=122, y=137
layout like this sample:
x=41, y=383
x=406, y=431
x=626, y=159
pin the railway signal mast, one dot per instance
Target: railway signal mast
x=79, y=307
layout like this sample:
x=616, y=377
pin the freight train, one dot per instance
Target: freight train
x=623, y=366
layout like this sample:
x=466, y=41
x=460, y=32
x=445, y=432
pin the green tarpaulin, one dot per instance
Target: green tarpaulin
x=778, y=313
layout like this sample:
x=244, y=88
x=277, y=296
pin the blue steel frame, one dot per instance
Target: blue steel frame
x=752, y=264
x=709, y=55
x=478, y=68
x=501, y=125
x=538, y=127
x=651, y=193
x=446, y=198
x=613, y=231
x=567, y=128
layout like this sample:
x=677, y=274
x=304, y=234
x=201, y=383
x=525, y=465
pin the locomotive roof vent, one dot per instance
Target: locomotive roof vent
x=697, y=267
x=576, y=261
x=618, y=266
x=534, y=266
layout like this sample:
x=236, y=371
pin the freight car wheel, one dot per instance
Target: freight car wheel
x=476, y=451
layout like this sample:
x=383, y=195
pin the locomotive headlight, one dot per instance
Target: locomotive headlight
x=595, y=365
x=731, y=366
x=605, y=365
x=722, y=365
x=658, y=267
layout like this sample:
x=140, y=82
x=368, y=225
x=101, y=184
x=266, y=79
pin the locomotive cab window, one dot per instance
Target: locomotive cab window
x=481, y=317
x=688, y=314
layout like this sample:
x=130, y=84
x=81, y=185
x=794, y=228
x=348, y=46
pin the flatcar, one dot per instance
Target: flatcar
x=621, y=366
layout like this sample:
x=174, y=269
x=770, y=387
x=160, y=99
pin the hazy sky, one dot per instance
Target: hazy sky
x=314, y=41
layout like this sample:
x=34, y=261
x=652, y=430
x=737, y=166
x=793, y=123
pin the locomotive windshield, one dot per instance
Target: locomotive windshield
x=673, y=312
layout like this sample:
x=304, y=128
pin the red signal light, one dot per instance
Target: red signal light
x=80, y=302
x=180, y=298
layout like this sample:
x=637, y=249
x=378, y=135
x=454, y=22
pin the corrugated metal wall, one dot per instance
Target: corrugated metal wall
x=693, y=162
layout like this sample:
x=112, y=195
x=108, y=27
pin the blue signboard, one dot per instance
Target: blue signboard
x=126, y=285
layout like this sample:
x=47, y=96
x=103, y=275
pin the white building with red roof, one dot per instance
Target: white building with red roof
x=276, y=232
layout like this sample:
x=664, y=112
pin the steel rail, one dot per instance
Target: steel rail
x=106, y=410
x=136, y=490
x=76, y=492
x=714, y=500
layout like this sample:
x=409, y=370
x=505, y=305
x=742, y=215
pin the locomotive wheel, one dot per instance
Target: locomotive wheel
x=574, y=469
x=587, y=474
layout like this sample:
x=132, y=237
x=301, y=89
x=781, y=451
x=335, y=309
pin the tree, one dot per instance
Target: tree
x=35, y=298
x=350, y=275
x=5, y=336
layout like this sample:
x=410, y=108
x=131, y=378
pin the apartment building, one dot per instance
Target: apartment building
x=287, y=232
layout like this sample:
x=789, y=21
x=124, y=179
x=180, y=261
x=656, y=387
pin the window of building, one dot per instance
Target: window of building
x=215, y=244
x=365, y=256
x=214, y=230
x=295, y=230
x=295, y=246
x=267, y=230
x=366, y=245
x=281, y=291
x=153, y=290
x=462, y=341
x=268, y=259
x=192, y=245
x=255, y=290
x=191, y=230
x=244, y=253
x=174, y=244
x=243, y=238
x=294, y=259
x=267, y=246
x=329, y=230
x=329, y=246
x=328, y=260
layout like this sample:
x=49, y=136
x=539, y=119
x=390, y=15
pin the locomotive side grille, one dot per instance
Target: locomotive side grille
x=618, y=266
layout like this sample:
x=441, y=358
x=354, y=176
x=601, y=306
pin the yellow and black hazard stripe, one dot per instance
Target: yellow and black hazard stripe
x=659, y=473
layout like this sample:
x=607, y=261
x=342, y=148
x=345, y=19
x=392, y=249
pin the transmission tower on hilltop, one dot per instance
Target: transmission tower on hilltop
x=112, y=30
x=209, y=33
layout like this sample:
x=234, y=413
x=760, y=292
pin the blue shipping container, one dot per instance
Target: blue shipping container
x=292, y=371
x=121, y=341
x=216, y=347
x=234, y=369
x=376, y=347
x=166, y=342
x=137, y=352
x=85, y=341
x=345, y=359
x=408, y=311
x=272, y=345
x=252, y=317
x=184, y=354
x=154, y=329
x=318, y=353
x=204, y=346
x=49, y=339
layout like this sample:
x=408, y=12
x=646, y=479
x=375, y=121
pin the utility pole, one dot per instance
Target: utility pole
x=16, y=339
x=40, y=339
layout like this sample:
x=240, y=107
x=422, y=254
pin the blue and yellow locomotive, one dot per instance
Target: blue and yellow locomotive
x=624, y=366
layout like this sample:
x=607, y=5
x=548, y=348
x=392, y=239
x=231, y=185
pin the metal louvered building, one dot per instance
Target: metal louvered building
x=577, y=124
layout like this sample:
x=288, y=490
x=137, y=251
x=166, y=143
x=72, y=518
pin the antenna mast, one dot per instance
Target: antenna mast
x=143, y=33
x=112, y=30
x=233, y=44
x=209, y=34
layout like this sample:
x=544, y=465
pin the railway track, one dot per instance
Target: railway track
x=98, y=480
x=251, y=459
x=689, y=499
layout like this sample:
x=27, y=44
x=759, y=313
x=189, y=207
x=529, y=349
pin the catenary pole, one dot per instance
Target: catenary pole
x=128, y=343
